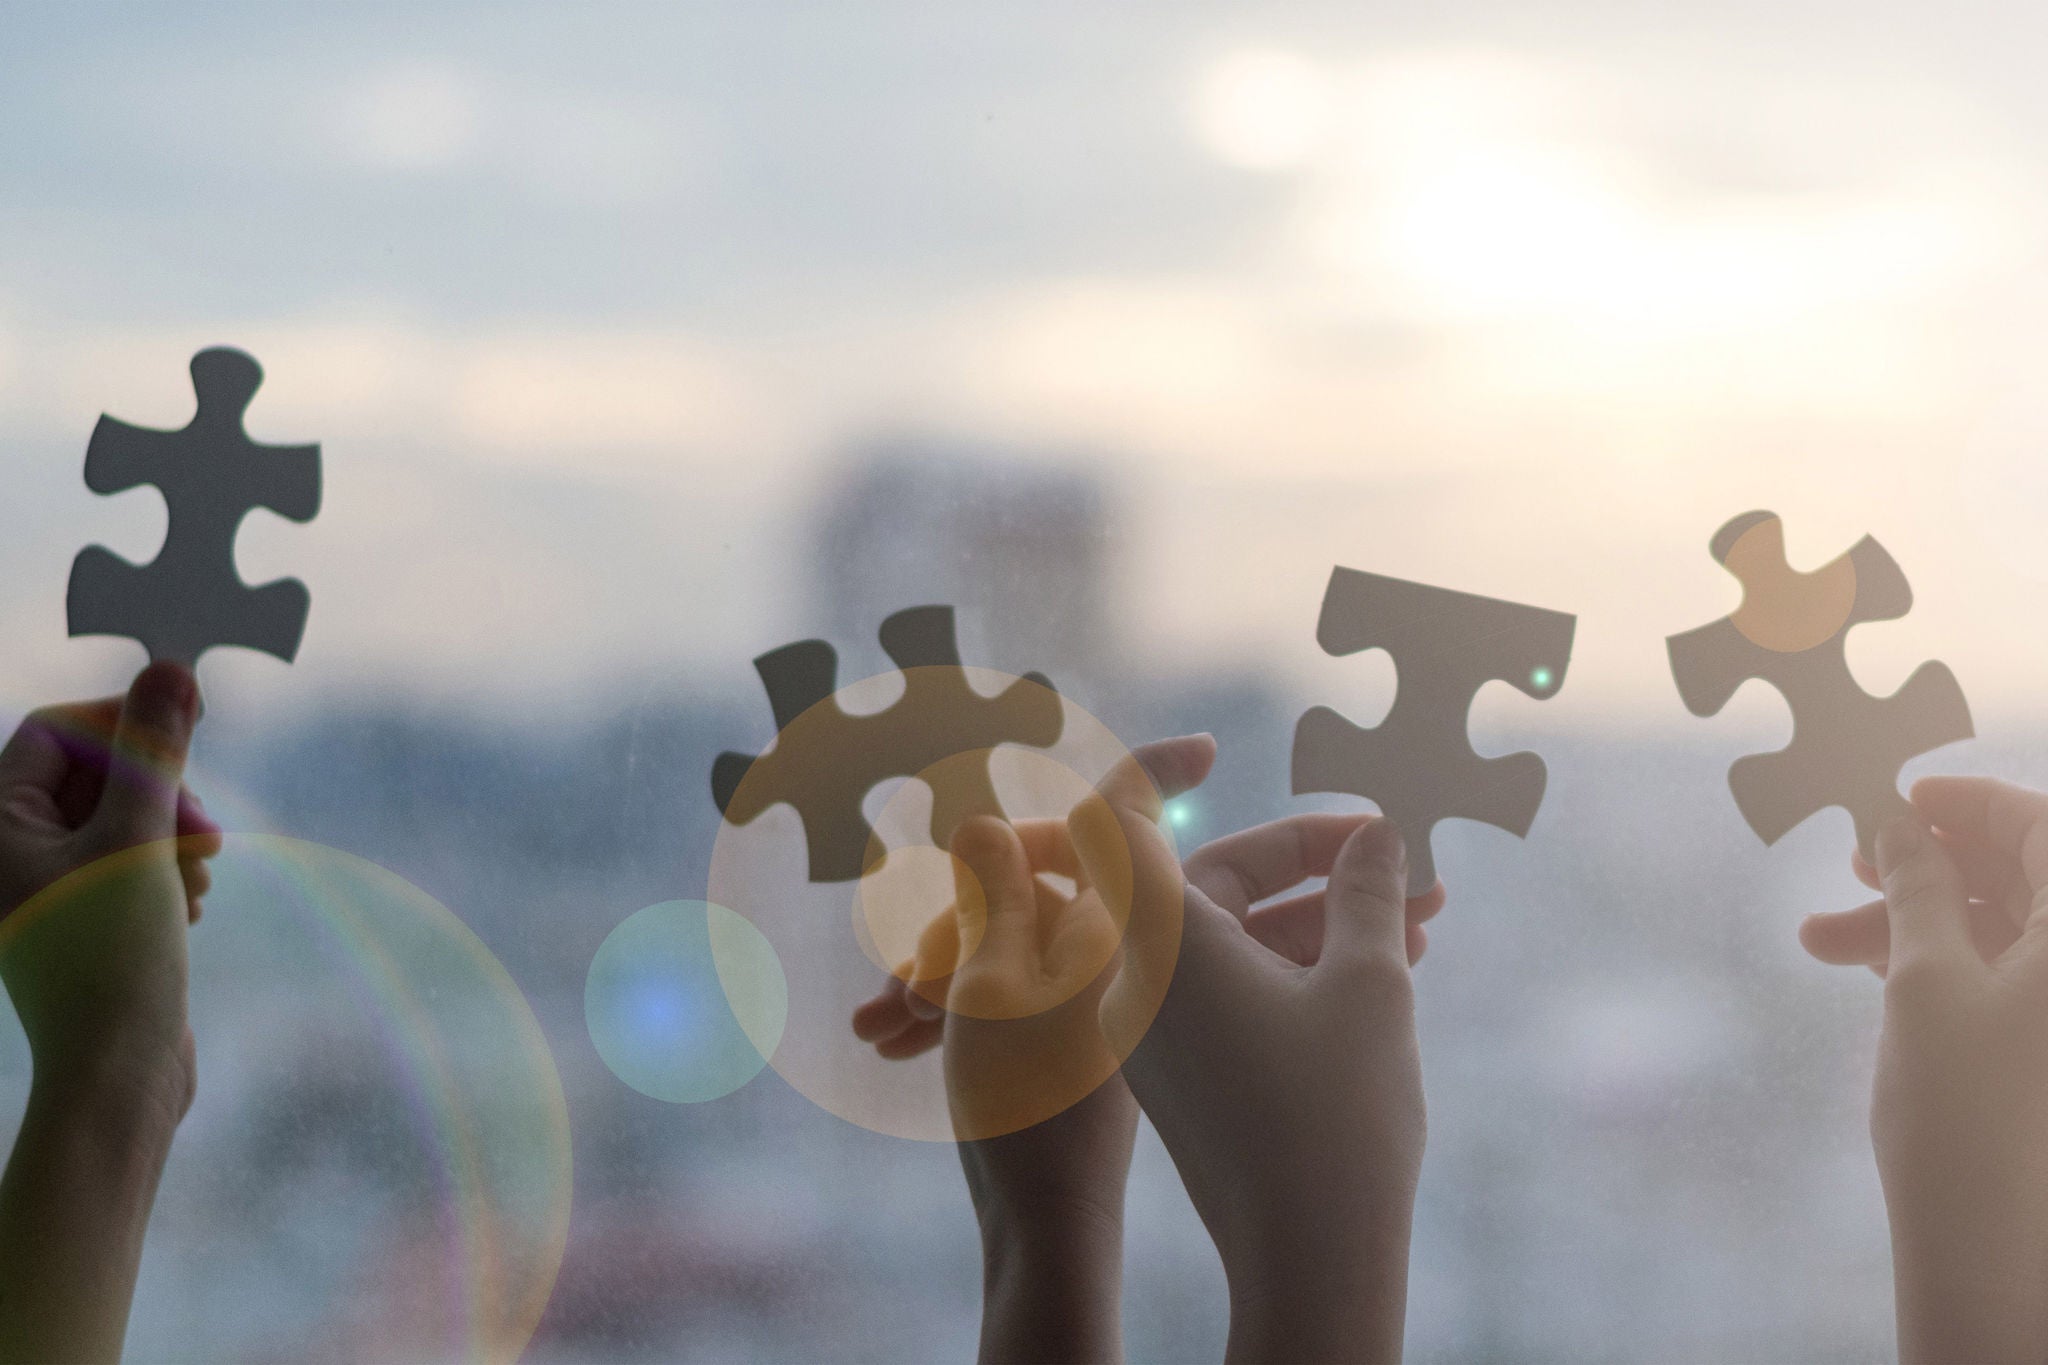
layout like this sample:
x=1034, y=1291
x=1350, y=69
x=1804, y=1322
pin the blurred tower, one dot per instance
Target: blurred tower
x=1020, y=545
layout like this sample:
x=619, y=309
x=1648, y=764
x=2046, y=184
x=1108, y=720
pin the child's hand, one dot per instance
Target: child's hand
x=95, y=963
x=1290, y=1096
x=1959, y=1113
x=101, y=868
x=1046, y=1121
x=1999, y=904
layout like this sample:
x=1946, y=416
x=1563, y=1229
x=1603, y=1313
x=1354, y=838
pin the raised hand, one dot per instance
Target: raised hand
x=1287, y=1087
x=1959, y=1110
x=101, y=868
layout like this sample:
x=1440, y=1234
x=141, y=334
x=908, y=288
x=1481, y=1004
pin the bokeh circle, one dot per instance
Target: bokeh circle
x=840, y=942
x=378, y=1153
x=685, y=1001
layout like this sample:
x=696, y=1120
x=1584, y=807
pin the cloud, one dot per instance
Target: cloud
x=549, y=142
x=413, y=116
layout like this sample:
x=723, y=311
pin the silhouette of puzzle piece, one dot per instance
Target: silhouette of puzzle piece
x=1418, y=765
x=189, y=598
x=1847, y=746
x=825, y=760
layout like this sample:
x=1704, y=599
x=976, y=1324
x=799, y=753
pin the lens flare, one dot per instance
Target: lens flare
x=379, y=1148
x=919, y=915
x=685, y=1001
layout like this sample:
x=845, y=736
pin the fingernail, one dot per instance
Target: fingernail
x=171, y=687
x=1392, y=845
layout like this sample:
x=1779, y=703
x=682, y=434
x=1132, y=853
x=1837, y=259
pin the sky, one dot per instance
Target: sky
x=585, y=303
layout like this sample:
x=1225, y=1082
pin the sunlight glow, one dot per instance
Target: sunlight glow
x=1265, y=110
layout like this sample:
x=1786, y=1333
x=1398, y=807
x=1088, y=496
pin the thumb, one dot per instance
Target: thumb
x=1365, y=904
x=147, y=762
x=1924, y=899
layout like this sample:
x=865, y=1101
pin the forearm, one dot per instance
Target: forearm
x=1963, y=1296
x=74, y=1204
x=1342, y=1298
x=1052, y=1287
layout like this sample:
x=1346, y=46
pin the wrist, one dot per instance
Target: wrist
x=1050, y=1239
x=1052, y=1283
x=1315, y=1289
x=134, y=1094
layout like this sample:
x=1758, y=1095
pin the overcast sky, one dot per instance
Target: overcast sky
x=581, y=302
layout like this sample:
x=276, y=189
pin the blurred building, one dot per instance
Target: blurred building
x=1020, y=542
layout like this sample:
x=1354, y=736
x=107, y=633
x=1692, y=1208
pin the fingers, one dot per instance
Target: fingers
x=55, y=765
x=1048, y=848
x=1849, y=938
x=1240, y=869
x=890, y=1022
x=920, y=1038
x=199, y=834
x=1924, y=899
x=883, y=1015
x=1127, y=859
x=198, y=881
x=1149, y=776
x=1863, y=938
x=1365, y=919
x=1293, y=928
x=2006, y=817
x=1423, y=908
x=992, y=873
x=140, y=802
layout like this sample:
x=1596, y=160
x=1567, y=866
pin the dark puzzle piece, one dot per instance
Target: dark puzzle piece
x=1847, y=746
x=1418, y=765
x=825, y=760
x=190, y=598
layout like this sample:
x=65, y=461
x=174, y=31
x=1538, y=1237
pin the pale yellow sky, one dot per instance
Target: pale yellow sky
x=1519, y=320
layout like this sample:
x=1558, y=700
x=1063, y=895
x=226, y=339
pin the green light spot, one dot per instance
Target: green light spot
x=1177, y=813
x=1541, y=679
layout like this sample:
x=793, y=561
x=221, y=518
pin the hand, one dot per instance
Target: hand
x=95, y=963
x=1999, y=905
x=1289, y=1095
x=1959, y=1111
x=1046, y=1121
x=101, y=869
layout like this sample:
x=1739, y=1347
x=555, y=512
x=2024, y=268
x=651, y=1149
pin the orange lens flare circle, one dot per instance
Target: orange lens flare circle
x=1018, y=967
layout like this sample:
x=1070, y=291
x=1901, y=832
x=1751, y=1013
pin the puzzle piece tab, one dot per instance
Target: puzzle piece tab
x=1791, y=631
x=190, y=598
x=1418, y=765
x=825, y=760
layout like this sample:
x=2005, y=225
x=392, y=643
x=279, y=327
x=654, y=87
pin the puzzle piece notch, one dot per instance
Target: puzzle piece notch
x=826, y=760
x=190, y=597
x=1847, y=746
x=1418, y=765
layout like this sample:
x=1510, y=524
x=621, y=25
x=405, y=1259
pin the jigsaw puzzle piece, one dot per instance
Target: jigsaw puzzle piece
x=825, y=761
x=920, y=637
x=1787, y=611
x=1711, y=662
x=109, y=596
x=190, y=598
x=1418, y=765
x=959, y=720
x=1791, y=631
x=1851, y=758
x=1333, y=755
